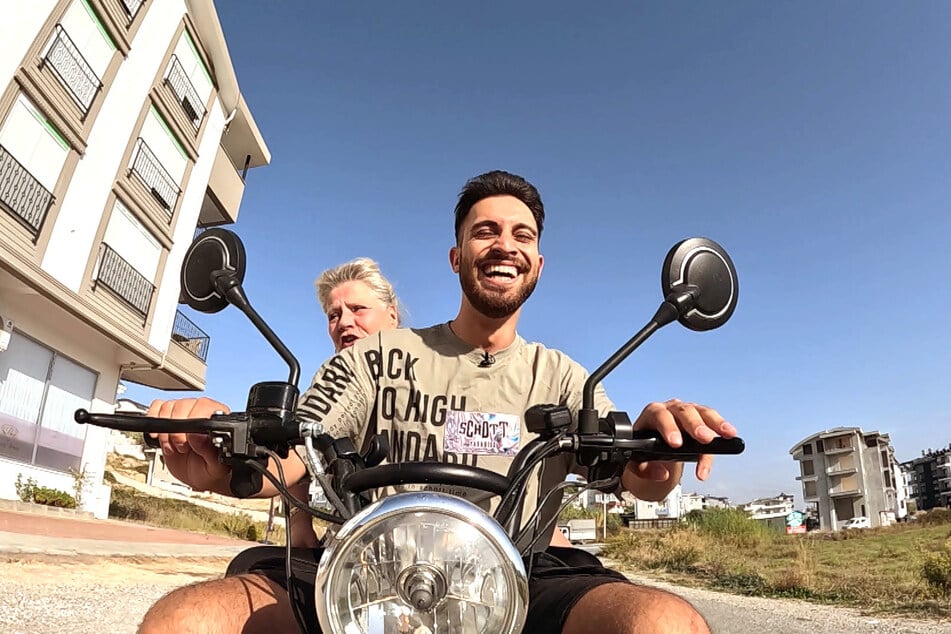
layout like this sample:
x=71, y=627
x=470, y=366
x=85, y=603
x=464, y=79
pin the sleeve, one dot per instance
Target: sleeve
x=341, y=395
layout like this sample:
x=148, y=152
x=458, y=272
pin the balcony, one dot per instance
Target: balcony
x=840, y=469
x=73, y=70
x=121, y=278
x=223, y=196
x=185, y=91
x=132, y=8
x=189, y=336
x=833, y=447
x=159, y=182
x=844, y=490
x=22, y=195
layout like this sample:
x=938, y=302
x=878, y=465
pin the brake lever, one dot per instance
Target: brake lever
x=644, y=445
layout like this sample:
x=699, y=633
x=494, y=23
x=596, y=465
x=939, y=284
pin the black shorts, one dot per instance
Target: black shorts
x=559, y=578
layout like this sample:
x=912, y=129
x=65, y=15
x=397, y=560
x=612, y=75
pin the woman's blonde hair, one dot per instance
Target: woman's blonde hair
x=358, y=270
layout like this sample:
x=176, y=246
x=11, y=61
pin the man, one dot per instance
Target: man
x=417, y=380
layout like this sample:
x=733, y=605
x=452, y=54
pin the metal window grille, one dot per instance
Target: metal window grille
x=151, y=172
x=190, y=336
x=22, y=194
x=183, y=88
x=73, y=70
x=121, y=278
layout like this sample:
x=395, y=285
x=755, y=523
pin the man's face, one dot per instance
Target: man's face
x=497, y=257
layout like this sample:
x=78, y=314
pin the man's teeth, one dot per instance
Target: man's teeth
x=501, y=269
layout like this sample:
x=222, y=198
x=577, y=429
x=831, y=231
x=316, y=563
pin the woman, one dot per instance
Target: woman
x=358, y=302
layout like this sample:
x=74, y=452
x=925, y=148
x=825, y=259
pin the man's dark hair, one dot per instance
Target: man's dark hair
x=499, y=183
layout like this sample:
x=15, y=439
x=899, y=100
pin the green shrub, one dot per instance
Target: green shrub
x=936, y=571
x=53, y=497
x=25, y=489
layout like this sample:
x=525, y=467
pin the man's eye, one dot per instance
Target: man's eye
x=525, y=236
x=332, y=317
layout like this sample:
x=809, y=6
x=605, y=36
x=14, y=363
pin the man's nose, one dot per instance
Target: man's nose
x=505, y=242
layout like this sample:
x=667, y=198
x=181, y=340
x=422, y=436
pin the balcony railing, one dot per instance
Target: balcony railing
x=73, y=70
x=132, y=8
x=190, y=336
x=148, y=168
x=22, y=194
x=183, y=88
x=121, y=278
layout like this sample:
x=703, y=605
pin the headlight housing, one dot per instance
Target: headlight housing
x=421, y=562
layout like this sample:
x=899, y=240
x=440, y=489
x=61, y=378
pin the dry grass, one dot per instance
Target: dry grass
x=129, y=504
x=881, y=570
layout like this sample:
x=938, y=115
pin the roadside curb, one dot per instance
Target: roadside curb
x=42, y=509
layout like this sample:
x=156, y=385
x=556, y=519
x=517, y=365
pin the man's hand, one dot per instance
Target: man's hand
x=191, y=457
x=654, y=480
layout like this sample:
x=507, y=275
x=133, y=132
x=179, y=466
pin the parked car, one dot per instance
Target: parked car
x=857, y=522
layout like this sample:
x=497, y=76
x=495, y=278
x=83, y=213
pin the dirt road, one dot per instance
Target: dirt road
x=47, y=595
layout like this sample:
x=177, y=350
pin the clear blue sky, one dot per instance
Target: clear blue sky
x=811, y=140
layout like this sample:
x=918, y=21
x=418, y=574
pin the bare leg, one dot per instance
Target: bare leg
x=621, y=608
x=302, y=524
x=245, y=604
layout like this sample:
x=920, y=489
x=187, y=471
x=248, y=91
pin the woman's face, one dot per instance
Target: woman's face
x=355, y=312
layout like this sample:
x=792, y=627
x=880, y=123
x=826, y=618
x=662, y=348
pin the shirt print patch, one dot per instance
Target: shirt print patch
x=482, y=433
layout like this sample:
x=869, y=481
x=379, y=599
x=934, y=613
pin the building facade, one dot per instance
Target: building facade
x=122, y=130
x=928, y=479
x=770, y=508
x=848, y=473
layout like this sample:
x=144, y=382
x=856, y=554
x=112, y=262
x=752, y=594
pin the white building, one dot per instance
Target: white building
x=668, y=508
x=122, y=129
x=769, y=508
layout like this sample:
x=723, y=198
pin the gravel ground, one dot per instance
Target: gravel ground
x=47, y=595
x=51, y=595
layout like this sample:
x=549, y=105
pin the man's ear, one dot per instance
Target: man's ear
x=454, y=259
x=394, y=315
x=541, y=263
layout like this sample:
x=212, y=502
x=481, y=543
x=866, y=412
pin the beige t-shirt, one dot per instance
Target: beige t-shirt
x=417, y=379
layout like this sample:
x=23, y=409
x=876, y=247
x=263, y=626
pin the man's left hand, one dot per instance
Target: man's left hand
x=654, y=480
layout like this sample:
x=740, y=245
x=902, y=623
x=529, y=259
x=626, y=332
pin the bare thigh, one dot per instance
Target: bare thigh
x=244, y=604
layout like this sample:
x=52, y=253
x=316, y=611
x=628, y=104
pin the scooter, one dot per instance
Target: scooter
x=424, y=561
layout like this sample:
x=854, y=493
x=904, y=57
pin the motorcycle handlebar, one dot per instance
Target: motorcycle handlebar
x=426, y=473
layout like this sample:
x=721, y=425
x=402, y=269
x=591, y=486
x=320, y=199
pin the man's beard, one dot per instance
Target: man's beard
x=494, y=305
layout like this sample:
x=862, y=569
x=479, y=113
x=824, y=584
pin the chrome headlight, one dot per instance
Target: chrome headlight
x=423, y=563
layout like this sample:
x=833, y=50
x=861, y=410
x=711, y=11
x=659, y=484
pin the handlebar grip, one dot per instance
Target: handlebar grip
x=245, y=481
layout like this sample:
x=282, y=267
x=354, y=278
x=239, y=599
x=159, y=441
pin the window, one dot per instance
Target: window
x=810, y=489
x=807, y=449
x=39, y=391
x=807, y=468
x=194, y=69
x=34, y=142
x=128, y=260
x=819, y=447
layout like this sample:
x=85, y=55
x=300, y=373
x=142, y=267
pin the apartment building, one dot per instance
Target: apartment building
x=848, y=473
x=770, y=508
x=122, y=129
x=928, y=479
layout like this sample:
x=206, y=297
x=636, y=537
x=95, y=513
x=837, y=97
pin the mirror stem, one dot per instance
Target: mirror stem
x=588, y=415
x=228, y=284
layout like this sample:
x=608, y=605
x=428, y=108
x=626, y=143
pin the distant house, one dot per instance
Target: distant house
x=668, y=508
x=928, y=479
x=770, y=508
x=849, y=473
x=700, y=502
